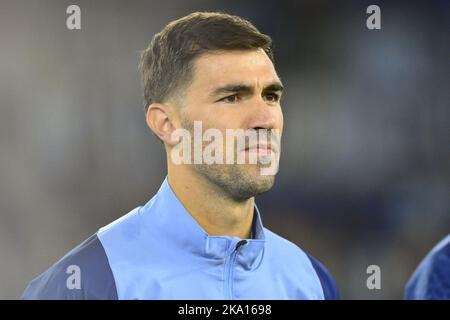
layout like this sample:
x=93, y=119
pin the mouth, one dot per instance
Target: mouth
x=261, y=149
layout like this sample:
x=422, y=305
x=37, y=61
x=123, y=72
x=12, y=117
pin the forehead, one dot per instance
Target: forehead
x=250, y=67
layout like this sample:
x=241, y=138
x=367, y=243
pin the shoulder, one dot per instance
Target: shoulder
x=327, y=281
x=83, y=273
x=287, y=250
x=431, y=280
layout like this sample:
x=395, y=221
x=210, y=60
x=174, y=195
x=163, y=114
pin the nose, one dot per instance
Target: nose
x=262, y=115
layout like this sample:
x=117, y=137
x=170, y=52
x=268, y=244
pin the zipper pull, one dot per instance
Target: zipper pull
x=239, y=244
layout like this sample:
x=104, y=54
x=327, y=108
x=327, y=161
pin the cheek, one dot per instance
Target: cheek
x=210, y=120
x=223, y=119
x=199, y=112
x=194, y=111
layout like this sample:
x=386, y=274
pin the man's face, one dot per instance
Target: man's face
x=236, y=90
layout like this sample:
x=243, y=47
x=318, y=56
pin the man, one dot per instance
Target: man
x=201, y=236
x=431, y=280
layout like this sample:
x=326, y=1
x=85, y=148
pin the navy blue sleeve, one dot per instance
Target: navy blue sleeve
x=329, y=287
x=431, y=280
x=82, y=274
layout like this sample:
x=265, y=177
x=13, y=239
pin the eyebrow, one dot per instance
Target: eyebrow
x=243, y=88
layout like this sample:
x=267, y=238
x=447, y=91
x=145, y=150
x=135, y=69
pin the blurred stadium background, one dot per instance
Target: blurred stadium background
x=365, y=165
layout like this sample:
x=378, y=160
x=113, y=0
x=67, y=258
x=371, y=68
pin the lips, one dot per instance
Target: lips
x=261, y=149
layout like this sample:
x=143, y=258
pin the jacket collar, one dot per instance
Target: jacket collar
x=176, y=225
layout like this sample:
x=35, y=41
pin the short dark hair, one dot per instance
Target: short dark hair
x=167, y=64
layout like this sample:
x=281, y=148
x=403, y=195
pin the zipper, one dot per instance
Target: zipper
x=229, y=268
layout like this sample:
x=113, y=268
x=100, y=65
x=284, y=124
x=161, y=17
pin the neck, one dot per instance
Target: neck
x=217, y=214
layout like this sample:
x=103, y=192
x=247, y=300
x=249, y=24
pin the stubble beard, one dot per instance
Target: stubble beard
x=238, y=182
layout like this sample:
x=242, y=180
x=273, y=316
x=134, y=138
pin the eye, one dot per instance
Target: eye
x=230, y=99
x=272, y=97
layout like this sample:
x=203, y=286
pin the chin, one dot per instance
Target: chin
x=250, y=183
x=236, y=181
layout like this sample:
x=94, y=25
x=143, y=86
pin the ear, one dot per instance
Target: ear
x=159, y=120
